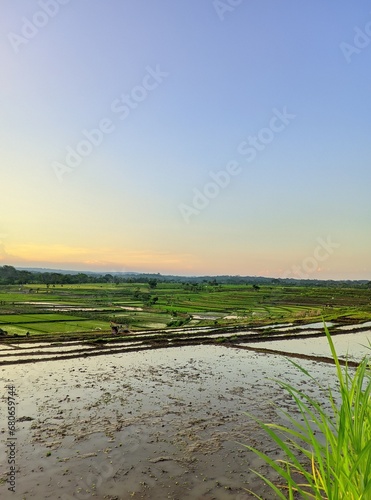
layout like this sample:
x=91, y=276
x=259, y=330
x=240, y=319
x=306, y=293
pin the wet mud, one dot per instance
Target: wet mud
x=155, y=424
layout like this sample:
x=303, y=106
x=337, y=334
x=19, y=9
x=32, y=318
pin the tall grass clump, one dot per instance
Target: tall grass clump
x=328, y=452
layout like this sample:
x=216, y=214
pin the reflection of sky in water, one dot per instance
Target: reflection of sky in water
x=292, y=326
x=350, y=327
x=357, y=345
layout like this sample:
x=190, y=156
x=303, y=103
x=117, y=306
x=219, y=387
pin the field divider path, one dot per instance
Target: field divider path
x=321, y=359
x=103, y=343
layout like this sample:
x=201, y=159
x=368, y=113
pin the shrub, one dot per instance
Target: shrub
x=336, y=444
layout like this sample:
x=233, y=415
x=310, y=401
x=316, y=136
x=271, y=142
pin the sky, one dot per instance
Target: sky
x=196, y=137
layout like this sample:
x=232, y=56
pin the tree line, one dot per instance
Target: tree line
x=9, y=275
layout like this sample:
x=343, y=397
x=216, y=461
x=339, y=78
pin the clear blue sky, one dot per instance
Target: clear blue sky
x=270, y=99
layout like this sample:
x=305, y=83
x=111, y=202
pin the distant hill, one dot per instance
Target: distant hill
x=68, y=271
x=47, y=270
x=212, y=279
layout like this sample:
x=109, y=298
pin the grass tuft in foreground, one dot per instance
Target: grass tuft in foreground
x=327, y=453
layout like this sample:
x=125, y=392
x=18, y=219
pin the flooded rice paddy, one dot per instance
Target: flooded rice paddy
x=352, y=346
x=150, y=421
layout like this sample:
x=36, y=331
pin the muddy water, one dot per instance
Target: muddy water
x=160, y=424
x=350, y=345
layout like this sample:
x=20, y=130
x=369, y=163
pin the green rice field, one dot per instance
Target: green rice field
x=48, y=310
